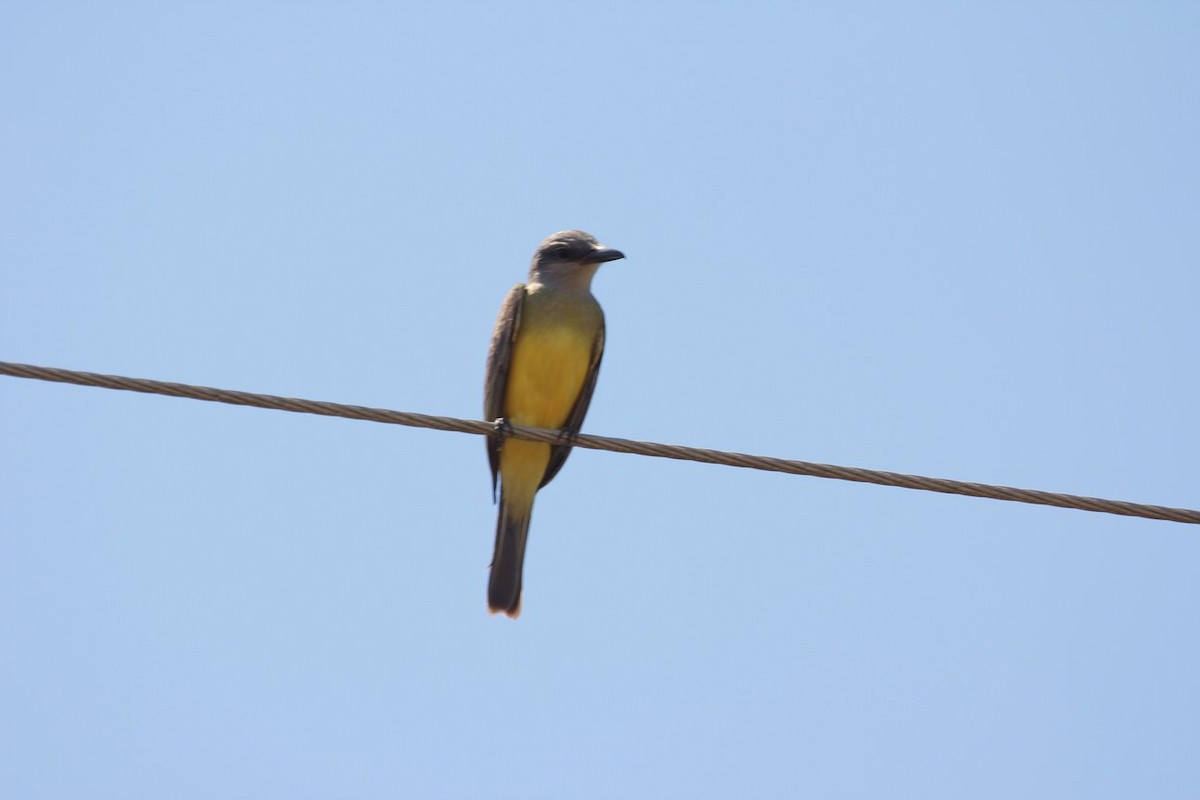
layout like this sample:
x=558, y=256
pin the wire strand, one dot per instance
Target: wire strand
x=593, y=442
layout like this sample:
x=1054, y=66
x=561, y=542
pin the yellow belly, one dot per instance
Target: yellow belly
x=546, y=375
x=550, y=361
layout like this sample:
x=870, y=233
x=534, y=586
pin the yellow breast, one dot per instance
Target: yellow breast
x=551, y=357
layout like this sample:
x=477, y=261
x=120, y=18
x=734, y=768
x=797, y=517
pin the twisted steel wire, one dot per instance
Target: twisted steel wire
x=593, y=442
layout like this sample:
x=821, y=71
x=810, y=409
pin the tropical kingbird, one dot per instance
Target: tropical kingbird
x=541, y=370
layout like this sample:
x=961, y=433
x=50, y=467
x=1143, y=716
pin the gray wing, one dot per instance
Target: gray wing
x=559, y=453
x=496, y=378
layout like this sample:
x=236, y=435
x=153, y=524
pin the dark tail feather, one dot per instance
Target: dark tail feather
x=504, y=586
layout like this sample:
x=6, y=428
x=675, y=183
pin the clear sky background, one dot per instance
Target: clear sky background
x=950, y=239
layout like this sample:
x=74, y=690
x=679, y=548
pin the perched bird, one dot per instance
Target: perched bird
x=541, y=370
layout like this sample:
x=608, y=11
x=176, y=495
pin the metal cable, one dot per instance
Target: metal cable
x=593, y=442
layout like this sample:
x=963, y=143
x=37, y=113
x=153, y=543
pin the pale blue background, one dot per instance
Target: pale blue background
x=950, y=239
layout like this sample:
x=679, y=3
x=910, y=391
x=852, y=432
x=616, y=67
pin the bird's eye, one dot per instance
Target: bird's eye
x=561, y=251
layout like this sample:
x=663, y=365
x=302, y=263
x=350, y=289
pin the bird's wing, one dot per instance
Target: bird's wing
x=498, y=361
x=559, y=453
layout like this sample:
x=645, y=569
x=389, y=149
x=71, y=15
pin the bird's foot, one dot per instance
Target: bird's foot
x=502, y=429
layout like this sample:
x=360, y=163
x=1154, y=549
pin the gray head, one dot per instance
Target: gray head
x=571, y=256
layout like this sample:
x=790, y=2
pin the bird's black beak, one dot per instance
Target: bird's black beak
x=601, y=255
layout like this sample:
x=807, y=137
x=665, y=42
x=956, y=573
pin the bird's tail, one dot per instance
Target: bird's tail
x=512, y=530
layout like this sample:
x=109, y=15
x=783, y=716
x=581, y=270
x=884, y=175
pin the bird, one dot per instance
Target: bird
x=542, y=365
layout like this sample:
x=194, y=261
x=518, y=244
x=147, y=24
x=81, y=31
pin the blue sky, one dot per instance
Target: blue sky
x=949, y=239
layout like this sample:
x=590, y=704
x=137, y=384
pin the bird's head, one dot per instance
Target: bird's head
x=571, y=256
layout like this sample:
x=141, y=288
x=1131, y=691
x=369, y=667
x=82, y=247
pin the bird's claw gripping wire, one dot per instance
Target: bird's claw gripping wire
x=502, y=429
